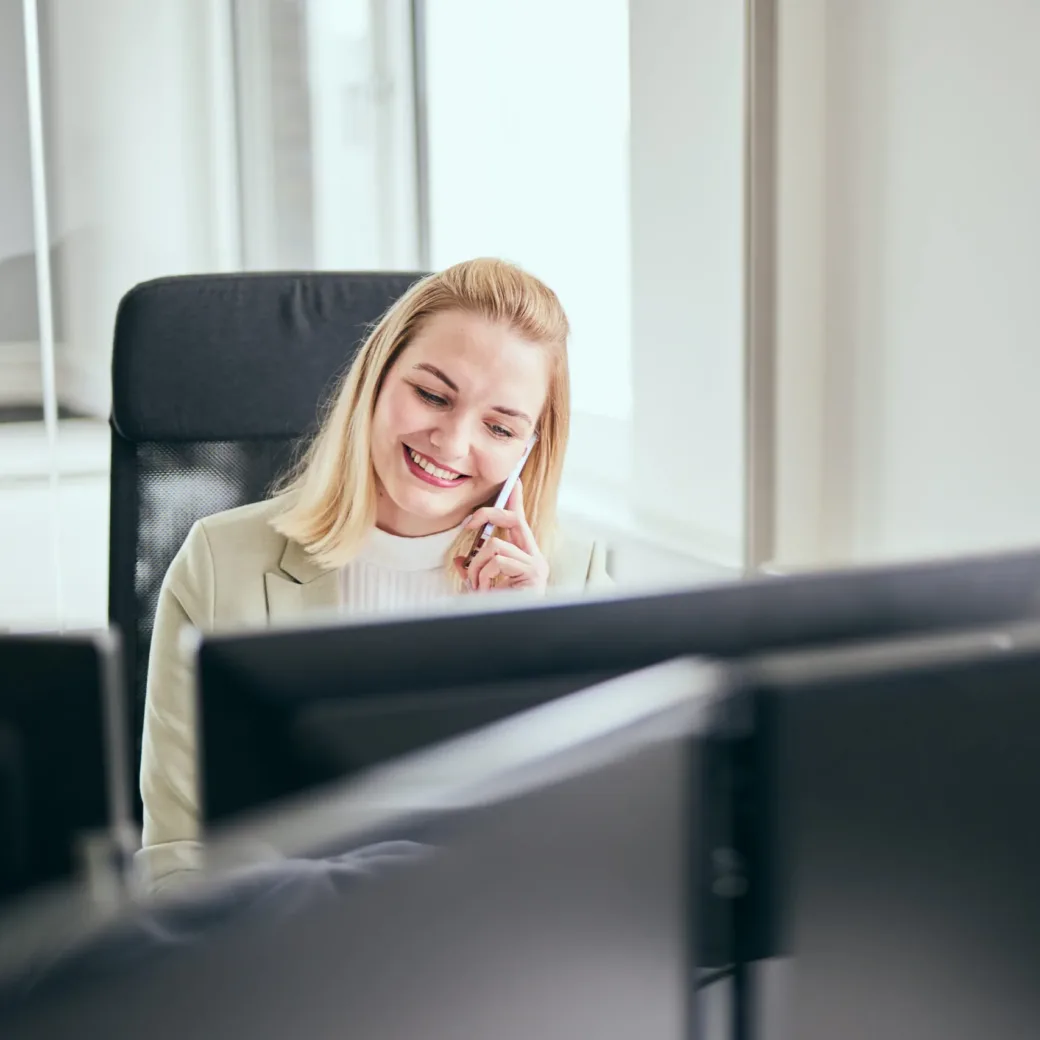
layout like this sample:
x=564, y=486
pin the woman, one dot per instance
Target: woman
x=437, y=409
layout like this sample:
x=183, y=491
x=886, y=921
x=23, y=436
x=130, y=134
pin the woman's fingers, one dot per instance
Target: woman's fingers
x=495, y=546
x=508, y=567
x=497, y=517
x=515, y=559
x=515, y=502
x=492, y=548
x=511, y=519
x=522, y=533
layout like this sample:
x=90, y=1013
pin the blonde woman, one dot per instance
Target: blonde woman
x=435, y=412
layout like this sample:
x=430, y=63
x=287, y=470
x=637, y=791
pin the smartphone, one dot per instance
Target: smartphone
x=503, y=497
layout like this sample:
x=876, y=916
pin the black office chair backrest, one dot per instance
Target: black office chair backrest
x=216, y=380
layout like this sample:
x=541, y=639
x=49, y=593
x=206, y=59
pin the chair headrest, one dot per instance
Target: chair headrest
x=239, y=356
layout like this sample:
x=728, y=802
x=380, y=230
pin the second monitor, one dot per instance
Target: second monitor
x=285, y=710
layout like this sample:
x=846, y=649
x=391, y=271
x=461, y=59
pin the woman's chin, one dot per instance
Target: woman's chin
x=433, y=508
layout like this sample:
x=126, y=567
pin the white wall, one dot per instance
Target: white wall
x=687, y=186
x=800, y=343
x=918, y=120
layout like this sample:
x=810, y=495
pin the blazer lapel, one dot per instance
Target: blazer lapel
x=302, y=587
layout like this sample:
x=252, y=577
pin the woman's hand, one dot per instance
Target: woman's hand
x=513, y=562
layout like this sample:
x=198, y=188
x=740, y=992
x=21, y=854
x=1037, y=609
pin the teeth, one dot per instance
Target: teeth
x=423, y=463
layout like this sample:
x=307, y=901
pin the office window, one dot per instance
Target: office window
x=326, y=126
x=527, y=108
x=262, y=134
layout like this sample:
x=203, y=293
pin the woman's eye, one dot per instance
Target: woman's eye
x=430, y=398
x=501, y=431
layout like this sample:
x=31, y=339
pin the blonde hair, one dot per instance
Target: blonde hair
x=330, y=495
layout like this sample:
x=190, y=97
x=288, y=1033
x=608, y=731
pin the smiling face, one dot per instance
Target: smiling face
x=452, y=419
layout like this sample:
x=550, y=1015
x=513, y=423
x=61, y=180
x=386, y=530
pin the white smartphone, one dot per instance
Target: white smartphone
x=503, y=497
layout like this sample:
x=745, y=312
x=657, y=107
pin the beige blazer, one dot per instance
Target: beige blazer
x=234, y=570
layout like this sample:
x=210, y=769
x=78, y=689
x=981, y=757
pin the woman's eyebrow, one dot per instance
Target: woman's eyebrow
x=435, y=371
x=501, y=409
x=514, y=414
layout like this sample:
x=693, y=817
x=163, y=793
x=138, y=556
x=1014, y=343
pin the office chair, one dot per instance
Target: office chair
x=216, y=381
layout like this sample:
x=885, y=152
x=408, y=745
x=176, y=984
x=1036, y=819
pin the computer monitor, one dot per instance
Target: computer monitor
x=64, y=787
x=285, y=710
x=554, y=897
x=895, y=817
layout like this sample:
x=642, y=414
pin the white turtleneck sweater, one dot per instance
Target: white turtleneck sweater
x=391, y=573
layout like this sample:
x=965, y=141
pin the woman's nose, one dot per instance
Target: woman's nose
x=451, y=438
